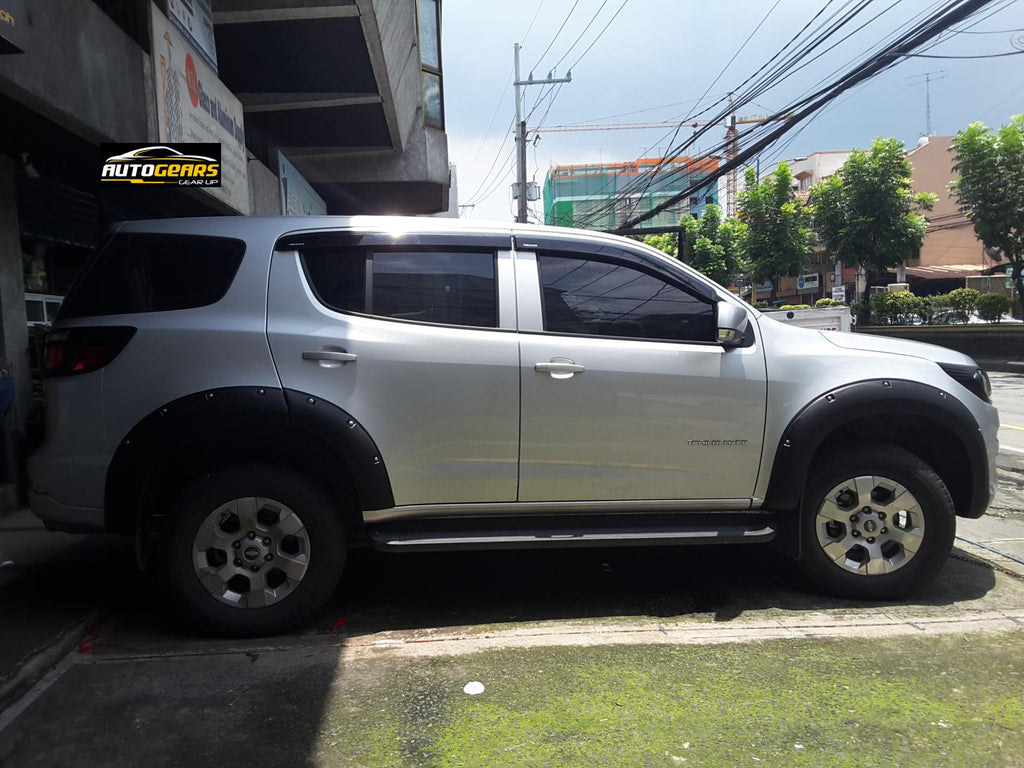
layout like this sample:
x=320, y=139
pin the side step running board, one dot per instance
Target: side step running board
x=756, y=532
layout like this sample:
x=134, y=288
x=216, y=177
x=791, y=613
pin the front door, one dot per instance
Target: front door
x=625, y=394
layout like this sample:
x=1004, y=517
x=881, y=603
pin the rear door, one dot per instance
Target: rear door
x=625, y=393
x=414, y=336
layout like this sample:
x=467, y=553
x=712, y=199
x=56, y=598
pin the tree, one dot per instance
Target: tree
x=714, y=245
x=667, y=242
x=868, y=213
x=777, y=238
x=990, y=190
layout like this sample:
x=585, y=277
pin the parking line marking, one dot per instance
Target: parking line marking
x=1012, y=426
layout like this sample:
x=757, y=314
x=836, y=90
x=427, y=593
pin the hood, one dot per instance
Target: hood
x=867, y=342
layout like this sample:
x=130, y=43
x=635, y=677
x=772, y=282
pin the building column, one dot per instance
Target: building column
x=13, y=328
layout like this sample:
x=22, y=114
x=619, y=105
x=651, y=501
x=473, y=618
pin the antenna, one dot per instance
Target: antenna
x=929, y=78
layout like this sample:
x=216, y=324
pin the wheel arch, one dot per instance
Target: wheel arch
x=927, y=421
x=194, y=434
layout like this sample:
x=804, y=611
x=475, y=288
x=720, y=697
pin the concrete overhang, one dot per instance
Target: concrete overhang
x=335, y=85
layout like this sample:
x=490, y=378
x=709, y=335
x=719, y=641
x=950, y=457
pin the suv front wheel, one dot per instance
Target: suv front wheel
x=877, y=522
x=253, y=550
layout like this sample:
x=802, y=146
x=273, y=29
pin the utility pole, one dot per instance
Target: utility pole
x=732, y=149
x=521, y=132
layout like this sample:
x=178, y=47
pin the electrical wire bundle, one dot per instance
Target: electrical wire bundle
x=823, y=33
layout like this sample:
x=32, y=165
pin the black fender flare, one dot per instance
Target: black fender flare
x=876, y=397
x=192, y=428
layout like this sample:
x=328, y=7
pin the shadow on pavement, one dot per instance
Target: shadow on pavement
x=418, y=591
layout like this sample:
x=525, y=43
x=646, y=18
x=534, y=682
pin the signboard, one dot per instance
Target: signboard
x=13, y=26
x=194, y=106
x=298, y=198
x=194, y=19
x=839, y=293
x=807, y=283
x=765, y=287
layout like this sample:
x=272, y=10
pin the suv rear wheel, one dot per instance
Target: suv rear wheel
x=876, y=523
x=253, y=550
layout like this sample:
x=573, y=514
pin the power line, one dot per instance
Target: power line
x=897, y=51
x=979, y=56
x=581, y=34
x=599, y=35
x=553, y=39
x=501, y=98
x=785, y=68
x=775, y=74
x=494, y=162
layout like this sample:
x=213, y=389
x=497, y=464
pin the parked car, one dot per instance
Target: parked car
x=250, y=397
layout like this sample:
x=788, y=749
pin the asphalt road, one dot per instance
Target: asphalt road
x=1008, y=397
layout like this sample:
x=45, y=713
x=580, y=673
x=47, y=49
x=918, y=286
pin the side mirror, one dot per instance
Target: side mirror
x=733, y=325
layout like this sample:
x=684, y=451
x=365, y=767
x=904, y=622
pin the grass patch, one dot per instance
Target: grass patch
x=946, y=700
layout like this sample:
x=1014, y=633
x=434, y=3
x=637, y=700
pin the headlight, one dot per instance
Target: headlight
x=971, y=377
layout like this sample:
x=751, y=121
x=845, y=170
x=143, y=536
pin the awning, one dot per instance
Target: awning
x=946, y=271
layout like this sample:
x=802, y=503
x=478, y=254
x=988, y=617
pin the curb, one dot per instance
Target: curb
x=34, y=666
x=1009, y=464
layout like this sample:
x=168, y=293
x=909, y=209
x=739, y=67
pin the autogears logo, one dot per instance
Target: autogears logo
x=181, y=165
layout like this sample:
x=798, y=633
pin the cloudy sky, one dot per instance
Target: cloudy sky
x=656, y=58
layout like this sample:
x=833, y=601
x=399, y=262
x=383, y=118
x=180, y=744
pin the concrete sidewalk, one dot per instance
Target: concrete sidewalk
x=998, y=536
x=53, y=587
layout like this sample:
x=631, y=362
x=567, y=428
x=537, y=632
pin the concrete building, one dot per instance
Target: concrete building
x=603, y=195
x=951, y=252
x=319, y=106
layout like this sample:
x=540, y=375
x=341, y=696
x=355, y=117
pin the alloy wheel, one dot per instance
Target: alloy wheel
x=870, y=525
x=251, y=552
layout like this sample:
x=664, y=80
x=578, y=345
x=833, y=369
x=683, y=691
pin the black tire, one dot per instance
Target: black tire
x=936, y=519
x=322, y=541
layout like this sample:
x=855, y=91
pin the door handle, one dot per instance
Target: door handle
x=332, y=357
x=559, y=368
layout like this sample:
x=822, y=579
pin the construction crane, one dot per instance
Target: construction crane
x=731, y=136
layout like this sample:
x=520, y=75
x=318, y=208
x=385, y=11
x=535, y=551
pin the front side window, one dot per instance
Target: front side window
x=590, y=297
x=450, y=287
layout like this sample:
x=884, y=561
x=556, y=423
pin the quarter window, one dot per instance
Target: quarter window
x=136, y=272
x=435, y=286
x=605, y=298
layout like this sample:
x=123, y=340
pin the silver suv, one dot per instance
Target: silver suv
x=249, y=397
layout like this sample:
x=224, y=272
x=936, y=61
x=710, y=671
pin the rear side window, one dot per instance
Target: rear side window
x=450, y=287
x=154, y=273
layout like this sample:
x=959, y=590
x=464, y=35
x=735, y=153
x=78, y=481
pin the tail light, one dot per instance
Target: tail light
x=70, y=351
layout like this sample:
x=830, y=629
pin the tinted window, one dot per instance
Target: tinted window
x=435, y=286
x=338, y=277
x=34, y=311
x=154, y=273
x=452, y=288
x=599, y=298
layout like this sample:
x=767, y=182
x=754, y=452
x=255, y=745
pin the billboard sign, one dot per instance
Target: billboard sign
x=13, y=26
x=298, y=198
x=194, y=18
x=808, y=283
x=194, y=106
